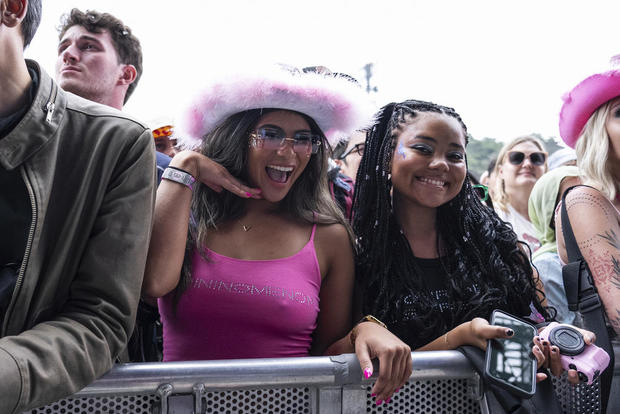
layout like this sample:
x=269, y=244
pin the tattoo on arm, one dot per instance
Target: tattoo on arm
x=588, y=242
x=590, y=201
x=615, y=322
x=611, y=238
x=615, y=277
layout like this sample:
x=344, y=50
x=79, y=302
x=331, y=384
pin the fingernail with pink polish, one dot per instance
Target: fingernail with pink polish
x=397, y=389
x=373, y=395
x=367, y=373
x=388, y=400
x=248, y=194
x=379, y=402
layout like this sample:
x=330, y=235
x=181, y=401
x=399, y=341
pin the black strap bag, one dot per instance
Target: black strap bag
x=582, y=296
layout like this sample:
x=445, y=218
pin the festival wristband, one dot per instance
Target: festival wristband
x=179, y=176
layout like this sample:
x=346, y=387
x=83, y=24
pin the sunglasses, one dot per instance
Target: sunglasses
x=355, y=149
x=269, y=138
x=482, y=191
x=517, y=157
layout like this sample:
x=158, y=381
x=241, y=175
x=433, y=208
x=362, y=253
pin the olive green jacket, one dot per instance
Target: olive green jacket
x=90, y=173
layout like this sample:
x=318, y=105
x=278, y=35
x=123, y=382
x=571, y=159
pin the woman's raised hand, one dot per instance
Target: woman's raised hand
x=395, y=363
x=212, y=174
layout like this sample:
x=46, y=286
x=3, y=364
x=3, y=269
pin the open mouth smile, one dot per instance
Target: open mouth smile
x=432, y=181
x=279, y=173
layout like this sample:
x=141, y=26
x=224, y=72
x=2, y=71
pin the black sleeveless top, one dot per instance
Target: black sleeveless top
x=409, y=325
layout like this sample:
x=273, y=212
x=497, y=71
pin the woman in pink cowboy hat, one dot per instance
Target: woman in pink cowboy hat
x=590, y=123
x=247, y=242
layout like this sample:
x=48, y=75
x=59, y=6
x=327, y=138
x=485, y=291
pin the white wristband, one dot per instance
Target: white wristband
x=178, y=176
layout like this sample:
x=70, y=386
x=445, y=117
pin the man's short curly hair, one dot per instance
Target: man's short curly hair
x=127, y=46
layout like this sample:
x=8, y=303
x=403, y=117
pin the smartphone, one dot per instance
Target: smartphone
x=509, y=362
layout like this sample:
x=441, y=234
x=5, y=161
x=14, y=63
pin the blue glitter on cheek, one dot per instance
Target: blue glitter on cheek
x=401, y=150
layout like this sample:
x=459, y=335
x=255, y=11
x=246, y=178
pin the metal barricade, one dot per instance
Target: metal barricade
x=442, y=381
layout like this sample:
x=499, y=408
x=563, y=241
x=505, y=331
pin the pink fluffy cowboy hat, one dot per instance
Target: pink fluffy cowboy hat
x=338, y=105
x=584, y=100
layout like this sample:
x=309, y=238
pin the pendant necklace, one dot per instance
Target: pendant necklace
x=245, y=228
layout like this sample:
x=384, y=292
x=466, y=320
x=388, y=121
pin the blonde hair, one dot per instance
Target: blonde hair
x=501, y=199
x=593, y=153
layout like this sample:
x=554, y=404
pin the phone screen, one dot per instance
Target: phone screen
x=510, y=361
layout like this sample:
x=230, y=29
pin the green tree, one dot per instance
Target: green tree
x=480, y=152
x=551, y=144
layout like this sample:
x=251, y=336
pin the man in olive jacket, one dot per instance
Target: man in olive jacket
x=77, y=182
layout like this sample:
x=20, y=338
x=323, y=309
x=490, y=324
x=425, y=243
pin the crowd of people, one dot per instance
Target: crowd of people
x=283, y=216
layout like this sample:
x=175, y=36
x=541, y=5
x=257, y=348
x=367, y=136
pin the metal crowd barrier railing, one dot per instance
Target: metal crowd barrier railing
x=442, y=381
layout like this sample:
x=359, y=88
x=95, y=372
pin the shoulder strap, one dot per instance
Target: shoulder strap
x=572, y=249
x=582, y=295
x=313, y=231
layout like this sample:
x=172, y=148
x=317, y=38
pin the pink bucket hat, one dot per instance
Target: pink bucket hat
x=338, y=105
x=584, y=100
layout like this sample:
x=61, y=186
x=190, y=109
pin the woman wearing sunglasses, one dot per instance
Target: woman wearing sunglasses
x=590, y=123
x=250, y=257
x=520, y=163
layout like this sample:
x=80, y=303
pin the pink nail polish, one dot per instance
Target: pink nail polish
x=248, y=194
x=373, y=395
x=388, y=400
x=367, y=373
x=379, y=402
x=397, y=389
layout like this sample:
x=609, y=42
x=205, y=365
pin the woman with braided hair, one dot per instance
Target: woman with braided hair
x=433, y=261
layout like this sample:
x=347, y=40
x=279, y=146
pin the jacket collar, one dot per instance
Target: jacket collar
x=38, y=125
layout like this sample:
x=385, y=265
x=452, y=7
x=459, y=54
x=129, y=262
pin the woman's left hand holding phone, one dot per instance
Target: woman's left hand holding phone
x=483, y=331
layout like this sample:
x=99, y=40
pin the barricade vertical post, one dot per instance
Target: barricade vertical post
x=164, y=392
x=330, y=400
x=353, y=399
x=199, y=391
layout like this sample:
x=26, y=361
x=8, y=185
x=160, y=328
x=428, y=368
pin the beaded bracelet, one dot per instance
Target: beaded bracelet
x=179, y=176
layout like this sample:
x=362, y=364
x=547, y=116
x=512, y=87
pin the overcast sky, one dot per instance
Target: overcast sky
x=503, y=65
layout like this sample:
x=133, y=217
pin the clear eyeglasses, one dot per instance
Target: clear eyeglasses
x=270, y=138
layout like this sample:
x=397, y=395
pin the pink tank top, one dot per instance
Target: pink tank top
x=244, y=308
